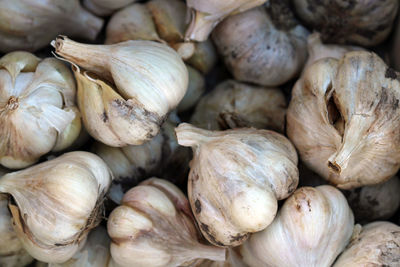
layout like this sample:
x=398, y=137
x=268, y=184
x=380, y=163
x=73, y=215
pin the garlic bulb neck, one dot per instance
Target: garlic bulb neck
x=192, y=136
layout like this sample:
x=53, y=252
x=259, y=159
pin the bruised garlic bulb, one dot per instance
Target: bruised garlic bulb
x=136, y=84
x=378, y=244
x=236, y=179
x=105, y=7
x=195, y=89
x=232, y=105
x=264, y=37
x=366, y=23
x=154, y=227
x=32, y=24
x=312, y=228
x=56, y=203
x=37, y=108
x=343, y=119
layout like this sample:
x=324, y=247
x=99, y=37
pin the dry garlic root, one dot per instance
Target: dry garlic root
x=312, y=228
x=343, y=119
x=56, y=203
x=105, y=7
x=236, y=179
x=37, y=108
x=154, y=227
x=136, y=84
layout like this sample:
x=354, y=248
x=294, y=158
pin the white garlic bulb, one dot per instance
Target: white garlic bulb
x=37, y=108
x=105, y=7
x=154, y=227
x=236, y=179
x=312, y=228
x=343, y=119
x=137, y=84
x=57, y=203
x=232, y=104
x=378, y=244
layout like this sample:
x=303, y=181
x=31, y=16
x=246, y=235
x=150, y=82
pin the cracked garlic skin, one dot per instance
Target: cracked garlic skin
x=56, y=203
x=134, y=86
x=233, y=105
x=37, y=108
x=268, y=47
x=365, y=23
x=236, y=179
x=378, y=244
x=154, y=227
x=343, y=119
x=105, y=7
x=311, y=229
x=31, y=24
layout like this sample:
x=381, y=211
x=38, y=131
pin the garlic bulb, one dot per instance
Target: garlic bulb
x=32, y=24
x=137, y=84
x=311, y=229
x=233, y=259
x=232, y=104
x=236, y=179
x=204, y=56
x=395, y=46
x=105, y=7
x=366, y=23
x=206, y=14
x=343, y=119
x=195, y=89
x=37, y=108
x=154, y=227
x=378, y=244
x=57, y=203
x=264, y=37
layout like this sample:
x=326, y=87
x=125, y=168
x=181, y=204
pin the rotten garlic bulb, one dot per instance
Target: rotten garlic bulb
x=38, y=112
x=56, y=203
x=378, y=244
x=134, y=86
x=263, y=38
x=154, y=227
x=105, y=7
x=343, y=119
x=311, y=229
x=236, y=179
x=232, y=105
x=32, y=24
x=365, y=23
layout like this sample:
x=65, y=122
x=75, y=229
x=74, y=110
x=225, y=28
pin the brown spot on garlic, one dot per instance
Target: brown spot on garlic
x=197, y=204
x=390, y=73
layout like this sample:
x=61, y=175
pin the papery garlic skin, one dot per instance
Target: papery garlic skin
x=376, y=245
x=233, y=105
x=233, y=259
x=343, y=119
x=57, y=203
x=105, y=7
x=236, y=177
x=154, y=227
x=365, y=23
x=37, y=108
x=311, y=229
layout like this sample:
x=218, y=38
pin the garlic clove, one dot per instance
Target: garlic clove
x=105, y=7
x=71, y=133
x=195, y=89
x=236, y=175
x=204, y=56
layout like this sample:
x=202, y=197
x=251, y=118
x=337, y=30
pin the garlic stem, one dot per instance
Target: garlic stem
x=191, y=136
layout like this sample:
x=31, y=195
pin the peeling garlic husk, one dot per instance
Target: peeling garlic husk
x=236, y=179
x=233, y=105
x=376, y=245
x=264, y=37
x=154, y=227
x=365, y=23
x=343, y=119
x=195, y=90
x=37, y=108
x=105, y=7
x=312, y=228
x=136, y=84
x=56, y=203
x=31, y=24
x=395, y=46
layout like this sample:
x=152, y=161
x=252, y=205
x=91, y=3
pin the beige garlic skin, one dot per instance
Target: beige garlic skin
x=236, y=179
x=233, y=259
x=396, y=46
x=312, y=228
x=343, y=119
x=105, y=7
x=264, y=37
x=38, y=112
x=31, y=24
x=365, y=23
x=233, y=105
x=378, y=244
x=56, y=203
x=206, y=14
x=154, y=227
x=136, y=84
